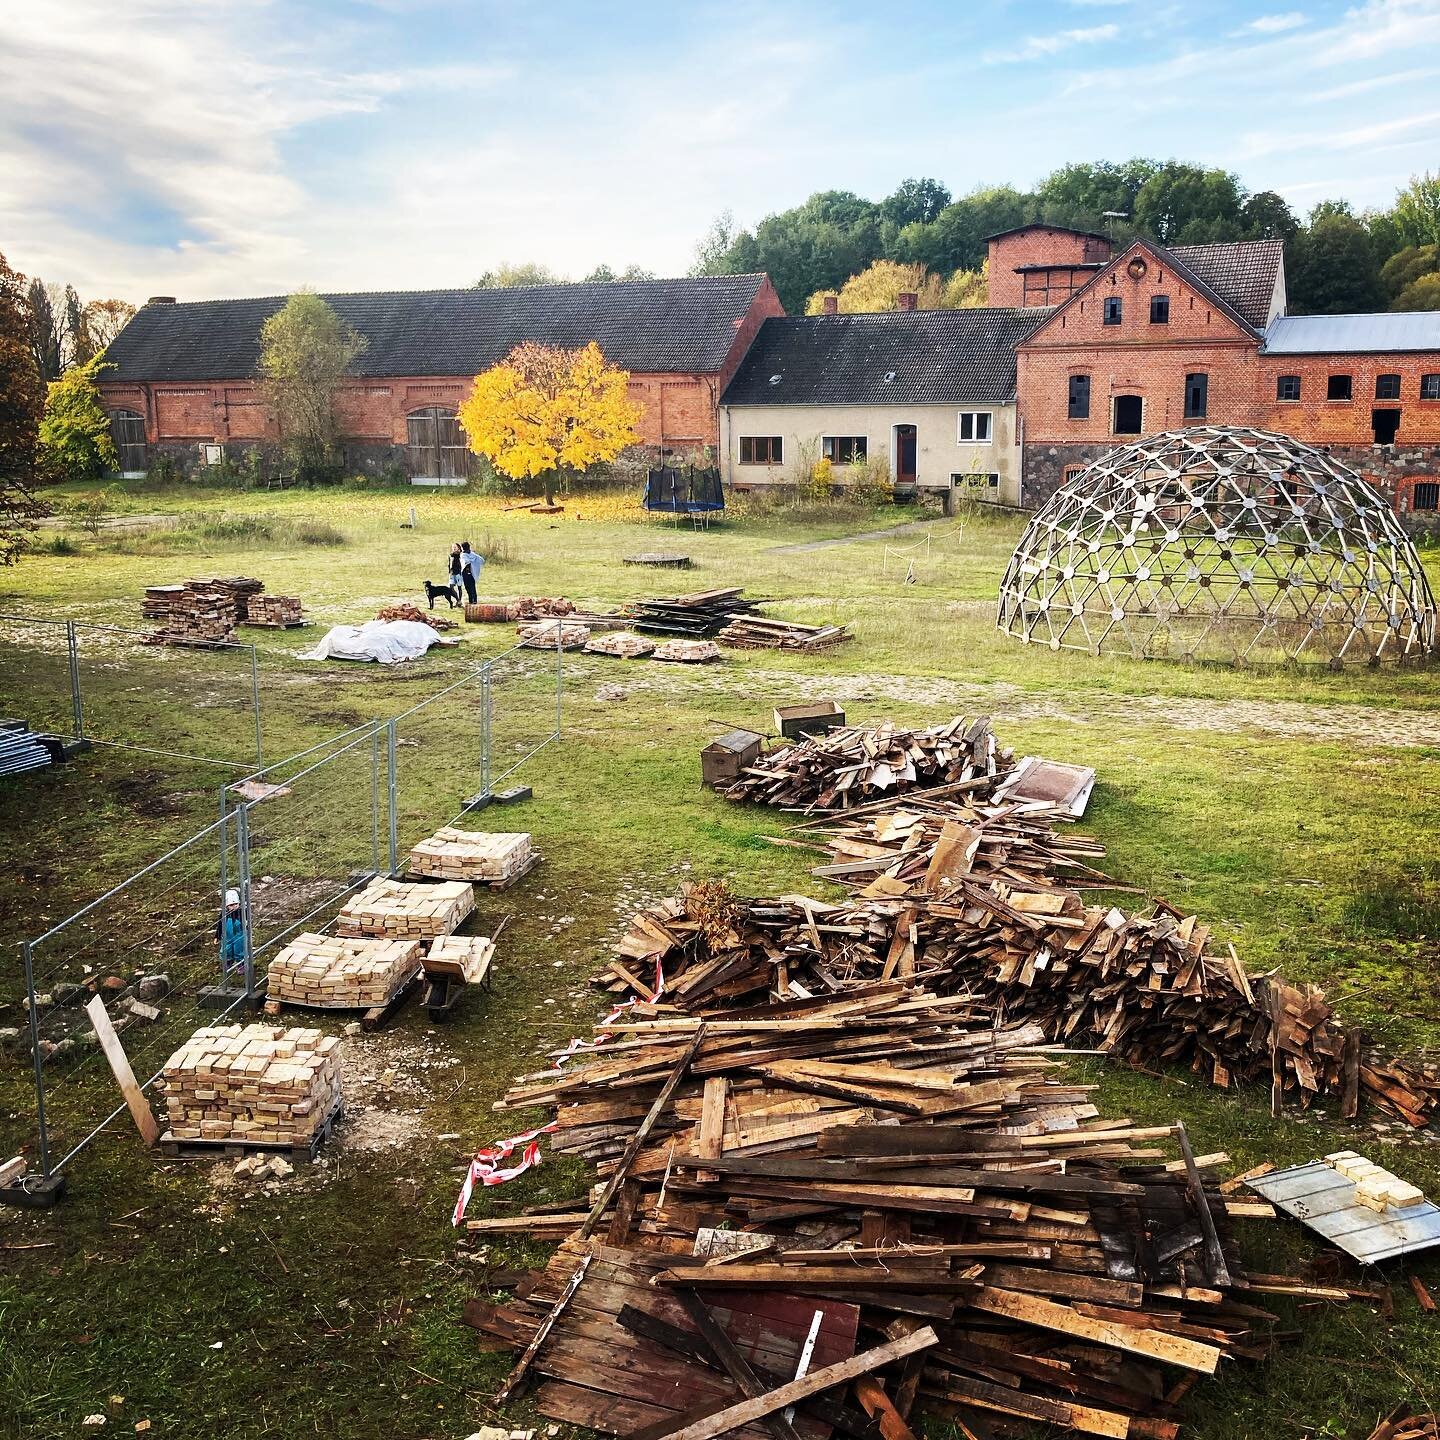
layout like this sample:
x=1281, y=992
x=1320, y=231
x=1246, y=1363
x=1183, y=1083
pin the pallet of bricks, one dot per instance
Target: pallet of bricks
x=493, y=858
x=276, y=612
x=887, y=1194
x=341, y=972
x=194, y=614
x=252, y=1085
x=399, y=910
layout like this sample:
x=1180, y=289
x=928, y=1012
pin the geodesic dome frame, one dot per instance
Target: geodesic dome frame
x=1220, y=543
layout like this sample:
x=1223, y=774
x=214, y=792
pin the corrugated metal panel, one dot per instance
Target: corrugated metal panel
x=1323, y=1199
x=1353, y=334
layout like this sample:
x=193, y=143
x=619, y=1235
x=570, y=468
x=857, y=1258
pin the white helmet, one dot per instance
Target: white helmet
x=232, y=897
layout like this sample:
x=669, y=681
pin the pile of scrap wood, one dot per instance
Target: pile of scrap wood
x=198, y=612
x=395, y=910
x=697, y=616
x=533, y=607
x=275, y=611
x=753, y=632
x=854, y=765
x=909, y=1215
x=341, y=972
x=403, y=610
x=986, y=901
x=1400, y=1426
x=259, y=1083
x=491, y=857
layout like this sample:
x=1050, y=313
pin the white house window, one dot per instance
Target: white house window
x=844, y=449
x=974, y=427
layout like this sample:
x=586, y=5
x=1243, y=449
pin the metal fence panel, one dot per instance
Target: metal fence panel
x=36, y=662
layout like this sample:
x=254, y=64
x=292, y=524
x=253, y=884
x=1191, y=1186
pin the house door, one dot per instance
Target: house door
x=905, y=456
x=127, y=430
x=1129, y=413
x=436, y=446
x=1386, y=425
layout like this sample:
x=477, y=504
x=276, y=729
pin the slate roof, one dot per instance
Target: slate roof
x=937, y=357
x=685, y=325
x=1383, y=333
x=1240, y=272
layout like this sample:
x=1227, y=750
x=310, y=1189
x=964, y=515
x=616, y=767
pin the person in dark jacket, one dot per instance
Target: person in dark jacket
x=470, y=566
x=230, y=934
x=457, y=568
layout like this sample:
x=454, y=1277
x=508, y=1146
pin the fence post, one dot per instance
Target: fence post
x=39, y=1061
x=77, y=705
x=242, y=845
x=393, y=798
x=485, y=737
x=375, y=800
x=559, y=676
x=224, y=874
x=255, y=701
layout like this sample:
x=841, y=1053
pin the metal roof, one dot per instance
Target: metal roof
x=1382, y=333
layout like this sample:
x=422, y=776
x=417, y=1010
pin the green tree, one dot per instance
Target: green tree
x=914, y=202
x=80, y=343
x=1266, y=216
x=506, y=276
x=603, y=274
x=1402, y=270
x=955, y=239
x=22, y=402
x=713, y=248
x=74, y=440
x=1421, y=294
x=1179, y=202
x=1079, y=195
x=1331, y=267
x=1417, y=210
x=306, y=351
x=47, y=332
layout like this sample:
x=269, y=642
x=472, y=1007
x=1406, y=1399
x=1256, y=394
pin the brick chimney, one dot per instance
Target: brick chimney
x=832, y=304
x=906, y=300
x=161, y=300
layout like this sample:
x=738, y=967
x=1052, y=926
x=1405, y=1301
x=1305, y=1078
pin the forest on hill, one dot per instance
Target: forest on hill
x=1337, y=260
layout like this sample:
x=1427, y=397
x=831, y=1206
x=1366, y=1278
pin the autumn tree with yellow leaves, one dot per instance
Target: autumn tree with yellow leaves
x=550, y=413
x=879, y=287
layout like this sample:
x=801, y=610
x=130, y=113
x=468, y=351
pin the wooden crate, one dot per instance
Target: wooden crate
x=722, y=760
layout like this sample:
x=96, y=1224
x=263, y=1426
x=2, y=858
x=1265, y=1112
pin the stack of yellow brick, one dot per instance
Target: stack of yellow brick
x=1375, y=1188
x=341, y=971
x=251, y=1083
x=492, y=857
x=395, y=910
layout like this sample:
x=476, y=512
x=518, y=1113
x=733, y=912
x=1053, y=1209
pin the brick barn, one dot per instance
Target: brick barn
x=1158, y=338
x=183, y=379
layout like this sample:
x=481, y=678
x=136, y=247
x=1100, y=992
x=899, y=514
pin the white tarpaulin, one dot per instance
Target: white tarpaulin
x=388, y=641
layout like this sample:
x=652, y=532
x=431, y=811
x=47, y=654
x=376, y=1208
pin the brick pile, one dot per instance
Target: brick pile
x=190, y=614
x=348, y=973
x=688, y=652
x=492, y=858
x=276, y=610
x=396, y=910
x=466, y=957
x=541, y=635
x=622, y=643
x=256, y=1083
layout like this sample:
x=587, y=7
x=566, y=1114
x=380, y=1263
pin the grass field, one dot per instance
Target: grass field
x=1293, y=810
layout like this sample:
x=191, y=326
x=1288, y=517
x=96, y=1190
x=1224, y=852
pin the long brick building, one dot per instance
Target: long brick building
x=183, y=377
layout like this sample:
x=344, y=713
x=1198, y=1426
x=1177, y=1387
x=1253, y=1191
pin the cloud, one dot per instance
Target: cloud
x=1040, y=47
x=1274, y=24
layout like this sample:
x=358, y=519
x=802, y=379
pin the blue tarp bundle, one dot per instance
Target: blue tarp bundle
x=684, y=491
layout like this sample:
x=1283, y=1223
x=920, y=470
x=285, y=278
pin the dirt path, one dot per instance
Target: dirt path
x=1366, y=724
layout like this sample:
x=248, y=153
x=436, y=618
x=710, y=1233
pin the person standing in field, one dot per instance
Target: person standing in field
x=230, y=933
x=456, y=571
x=471, y=565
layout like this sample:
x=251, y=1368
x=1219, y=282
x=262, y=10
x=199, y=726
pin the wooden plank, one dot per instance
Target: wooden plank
x=1033, y=1310
x=546, y=1325
x=733, y=1417
x=710, y=1143
x=638, y=1138
x=140, y=1111
x=871, y=1394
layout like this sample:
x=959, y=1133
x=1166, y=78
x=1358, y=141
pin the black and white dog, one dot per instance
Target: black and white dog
x=446, y=592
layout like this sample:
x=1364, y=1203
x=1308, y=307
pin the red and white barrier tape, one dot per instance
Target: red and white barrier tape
x=483, y=1168
x=578, y=1046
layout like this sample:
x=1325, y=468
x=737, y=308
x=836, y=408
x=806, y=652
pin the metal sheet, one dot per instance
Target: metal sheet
x=1323, y=1199
x=1383, y=332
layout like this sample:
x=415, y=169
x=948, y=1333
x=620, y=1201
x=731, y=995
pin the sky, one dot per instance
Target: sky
x=210, y=148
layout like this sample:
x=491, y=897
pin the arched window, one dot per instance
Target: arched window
x=436, y=444
x=127, y=429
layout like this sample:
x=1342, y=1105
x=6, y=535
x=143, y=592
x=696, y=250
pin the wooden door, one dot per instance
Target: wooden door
x=905, y=455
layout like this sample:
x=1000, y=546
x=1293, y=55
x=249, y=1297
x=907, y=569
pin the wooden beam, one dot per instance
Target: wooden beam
x=735, y=1417
x=871, y=1394
x=140, y=1110
x=640, y=1135
x=533, y=1348
x=1219, y=1271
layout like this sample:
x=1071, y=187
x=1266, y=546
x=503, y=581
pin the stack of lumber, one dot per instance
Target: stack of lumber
x=687, y=652
x=195, y=613
x=1400, y=1426
x=621, y=643
x=463, y=957
x=257, y=1083
x=403, y=610
x=345, y=972
x=277, y=611
x=242, y=589
x=752, y=632
x=396, y=910
x=985, y=900
x=702, y=614
x=854, y=765
x=970, y=1238
x=542, y=635
x=492, y=857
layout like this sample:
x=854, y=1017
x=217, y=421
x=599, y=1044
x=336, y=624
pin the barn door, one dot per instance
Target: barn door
x=127, y=430
x=436, y=444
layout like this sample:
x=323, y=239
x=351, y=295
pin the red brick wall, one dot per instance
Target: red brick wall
x=1319, y=421
x=1038, y=245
